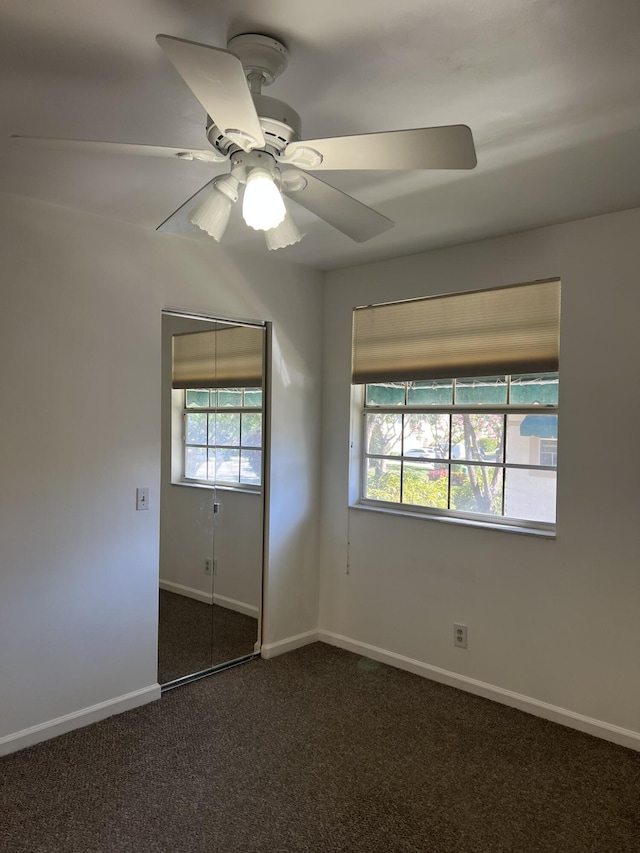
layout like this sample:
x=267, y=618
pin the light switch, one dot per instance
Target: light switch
x=142, y=498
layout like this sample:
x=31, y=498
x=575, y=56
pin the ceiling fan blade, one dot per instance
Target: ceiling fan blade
x=344, y=212
x=178, y=222
x=449, y=147
x=216, y=77
x=209, y=155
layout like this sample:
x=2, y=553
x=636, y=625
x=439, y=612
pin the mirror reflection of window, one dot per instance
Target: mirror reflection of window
x=212, y=502
x=223, y=436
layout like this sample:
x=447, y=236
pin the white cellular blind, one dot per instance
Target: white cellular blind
x=482, y=333
x=226, y=357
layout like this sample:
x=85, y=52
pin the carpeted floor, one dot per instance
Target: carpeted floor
x=193, y=636
x=320, y=750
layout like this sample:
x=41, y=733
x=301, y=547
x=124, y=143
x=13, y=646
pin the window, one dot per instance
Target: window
x=473, y=444
x=223, y=436
x=463, y=446
x=549, y=451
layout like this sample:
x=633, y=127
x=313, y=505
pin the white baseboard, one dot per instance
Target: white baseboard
x=78, y=719
x=187, y=591
x=598, y=728
x=272, y=650
x=208, y=598
x=238, y=606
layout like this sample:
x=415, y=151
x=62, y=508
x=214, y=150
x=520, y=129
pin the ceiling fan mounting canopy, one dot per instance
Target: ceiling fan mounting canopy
x=260, y=55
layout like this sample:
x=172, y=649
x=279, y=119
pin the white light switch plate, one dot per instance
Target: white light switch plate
x=142, y=498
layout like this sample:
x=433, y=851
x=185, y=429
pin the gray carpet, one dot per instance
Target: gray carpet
x=194, y=636
x=320, y=750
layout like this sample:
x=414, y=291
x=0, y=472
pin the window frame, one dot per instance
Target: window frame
x=502, y=521
x=238, y=486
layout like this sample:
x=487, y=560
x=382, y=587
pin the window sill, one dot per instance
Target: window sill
x=218, y=487
x=464, y=522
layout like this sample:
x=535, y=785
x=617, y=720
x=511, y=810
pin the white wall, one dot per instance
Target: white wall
x=554, y=620
x=80, y=412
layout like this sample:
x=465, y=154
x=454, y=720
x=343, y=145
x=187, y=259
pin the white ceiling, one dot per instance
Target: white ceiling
x=550, y=89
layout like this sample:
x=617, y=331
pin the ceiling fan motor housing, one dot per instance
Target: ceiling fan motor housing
x=263, y=59
x=279, y=122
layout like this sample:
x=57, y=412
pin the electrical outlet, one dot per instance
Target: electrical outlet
x=208, y=567
x=459, y=635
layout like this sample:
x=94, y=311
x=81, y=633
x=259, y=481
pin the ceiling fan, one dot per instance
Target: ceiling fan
x=261, y=139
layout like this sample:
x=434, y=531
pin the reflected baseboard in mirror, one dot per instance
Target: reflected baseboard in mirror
x=214, y=441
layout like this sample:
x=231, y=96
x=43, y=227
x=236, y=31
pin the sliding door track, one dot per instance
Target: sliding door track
x=204, y=673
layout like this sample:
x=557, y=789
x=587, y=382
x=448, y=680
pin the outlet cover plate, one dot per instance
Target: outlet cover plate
x=459, y=635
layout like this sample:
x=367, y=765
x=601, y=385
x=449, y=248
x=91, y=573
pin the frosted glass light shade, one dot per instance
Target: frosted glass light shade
x=262, y=205
x=285, y=234
x=212, y=214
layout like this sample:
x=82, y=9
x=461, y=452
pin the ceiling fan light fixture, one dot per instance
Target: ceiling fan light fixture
x=262, y=206
x=212, y=214
x=283, y=235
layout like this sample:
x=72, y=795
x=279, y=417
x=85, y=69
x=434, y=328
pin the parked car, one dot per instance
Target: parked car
x=430, y=452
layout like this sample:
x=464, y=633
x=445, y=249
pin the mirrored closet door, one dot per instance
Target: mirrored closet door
x=212, y=494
